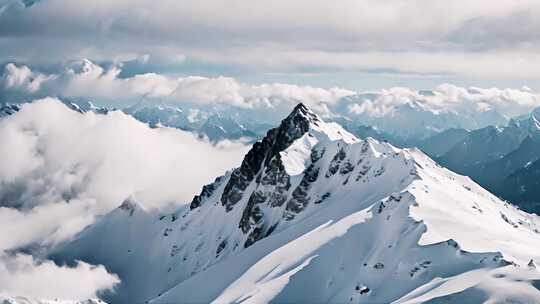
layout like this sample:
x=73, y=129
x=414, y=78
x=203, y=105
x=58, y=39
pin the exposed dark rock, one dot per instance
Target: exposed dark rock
x=274, y=184
x=252, y=213
x=254, y=236
x=323, y=198
x=346, y=168
x=316, y=155
x=506, y=219
x=379, y=171
x=266, y=151
x=128, y=205
x=9, y=109
x=220, y=248
x=378, y=266
x=336, y=162
x=262, y=167
x=206, y=192
x=381, y=208
x=363, y=171
x=300, y=197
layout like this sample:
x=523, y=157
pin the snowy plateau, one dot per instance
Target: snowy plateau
x=316, y=215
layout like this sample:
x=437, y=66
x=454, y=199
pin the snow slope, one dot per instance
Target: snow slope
x=316, y=215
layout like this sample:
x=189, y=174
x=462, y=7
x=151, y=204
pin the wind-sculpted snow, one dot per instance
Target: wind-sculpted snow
x=316, y=215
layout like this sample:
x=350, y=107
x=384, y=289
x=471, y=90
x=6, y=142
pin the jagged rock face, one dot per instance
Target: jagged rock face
x=263, y=168
x=267, y=193
x=129, y=205
x=266, y=152
x=206, y=192
x=300, y=197
x=273, y=186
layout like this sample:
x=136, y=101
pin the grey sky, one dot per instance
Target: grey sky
x=364, y=44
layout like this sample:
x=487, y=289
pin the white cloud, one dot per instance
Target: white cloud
x=86, y=79
x=56, y=152
x=448, y=98
x=23, y=275
x=89, y=80
x=22, y=78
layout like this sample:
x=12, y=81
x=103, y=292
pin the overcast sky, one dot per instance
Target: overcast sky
x=353, y=44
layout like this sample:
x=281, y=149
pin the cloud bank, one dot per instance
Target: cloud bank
x=85, y=79
x=445, y=98
x=57, y=153
x=22, y=275
x=60, y=169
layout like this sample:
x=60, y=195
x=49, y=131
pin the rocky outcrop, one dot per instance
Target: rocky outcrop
x=263, y=169
x=266, y=153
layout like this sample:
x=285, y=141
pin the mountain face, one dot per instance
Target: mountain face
x=489, y=144
x=492, y=174
x=523, y=186
x=314, y=214
x=482, y=146
x=490, y=155
x=440, y=143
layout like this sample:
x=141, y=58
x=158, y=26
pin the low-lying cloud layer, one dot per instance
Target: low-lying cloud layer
x=85, y=79
x=22, y=275
x=448, y=98
x=57, y=153
x=59, y=169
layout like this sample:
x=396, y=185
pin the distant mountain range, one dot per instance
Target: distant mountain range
x=523, y=186
x=492, y=155
x=214, y=123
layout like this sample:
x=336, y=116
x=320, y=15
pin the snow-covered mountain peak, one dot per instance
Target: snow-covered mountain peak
x=355, y=221
x=130, y=205
x=303, y=120
x=84, y=66
x=294, y=168
x=314, y=129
